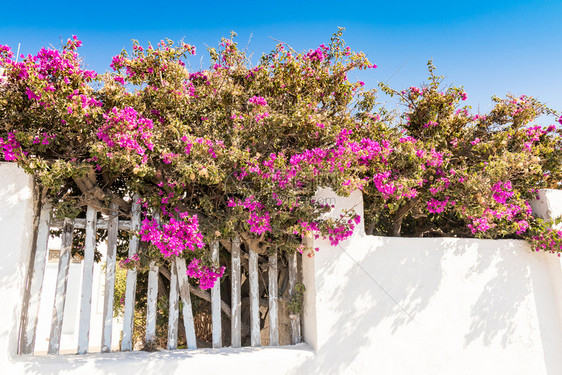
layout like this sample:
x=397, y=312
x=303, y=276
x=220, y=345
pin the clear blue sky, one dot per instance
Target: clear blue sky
x=490, y=47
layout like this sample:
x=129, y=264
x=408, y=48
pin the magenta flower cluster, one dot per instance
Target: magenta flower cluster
x=258, y=100
x=207, y=276
x=436, y=206
x=319, y=54
x=335, y=233
x=501, y=192
x=480, y=225
x=173, y=236
x=550, y=241
x=10, y=147
x=48, y=63
x=259, y=219
x=343, y=231
x=125, y=128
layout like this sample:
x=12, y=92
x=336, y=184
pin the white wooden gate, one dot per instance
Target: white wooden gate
x=179, y=288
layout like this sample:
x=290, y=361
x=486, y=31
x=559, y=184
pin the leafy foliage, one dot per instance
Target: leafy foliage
x=240, y=150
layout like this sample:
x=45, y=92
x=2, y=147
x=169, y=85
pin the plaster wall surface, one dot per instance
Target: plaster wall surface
x=16, y=227
x=431, y=306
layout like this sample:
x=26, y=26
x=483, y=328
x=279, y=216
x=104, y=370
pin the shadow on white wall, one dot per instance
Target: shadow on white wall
x=430, y=306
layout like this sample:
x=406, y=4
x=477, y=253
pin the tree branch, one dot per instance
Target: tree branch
x=399, y=216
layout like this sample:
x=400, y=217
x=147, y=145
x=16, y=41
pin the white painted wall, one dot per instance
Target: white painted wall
x=549, y=206
x=16, y=219
x=388, y=305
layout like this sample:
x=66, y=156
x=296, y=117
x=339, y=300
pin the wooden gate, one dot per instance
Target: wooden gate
x=179, y=288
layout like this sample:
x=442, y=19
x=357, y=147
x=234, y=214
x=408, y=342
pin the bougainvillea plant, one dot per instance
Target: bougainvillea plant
x=238, y=150
x=235, y=150
x=454, y=173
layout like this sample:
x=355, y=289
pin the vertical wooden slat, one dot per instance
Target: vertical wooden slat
x=254, y=300
x=62, y=282
x=27, y=342
x=151, y=300
x=216, y=300
x=187, y=310
x=152, y=297
x=112, y=233
x=173, y=313
x=130, y=289
x=295, y=318
x=87, y=281
x=273, y=302
x=236, y=304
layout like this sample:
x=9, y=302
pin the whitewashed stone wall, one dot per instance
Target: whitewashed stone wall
x=433, y=305
x=16, y=227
